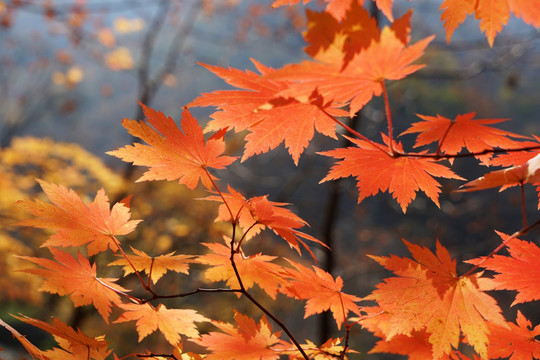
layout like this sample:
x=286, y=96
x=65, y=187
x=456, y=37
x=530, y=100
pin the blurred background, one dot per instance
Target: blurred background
x=70, y=70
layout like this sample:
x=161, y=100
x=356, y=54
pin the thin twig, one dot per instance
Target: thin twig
x=145, y=286
x=520, y=232
x=261, y=307
x=465, y=155
x=233, y=219
x=199, y=290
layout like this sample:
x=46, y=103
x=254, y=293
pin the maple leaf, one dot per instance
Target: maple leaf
x=171, y=153
x=520, y=271
x=253, y=269
x=416, y=346
x=171, y=322
x=454, y=14
x=330, y=349
x=73, y=344
x=264, y=114
x=493, y=14
x=516, y=342
x=375, y=170
x=463, y=132
x=387, y=58
x=155, y=267
x=246, y=341
x=428, y=294
x=257, y=213
x=505, y=178
x=33, y=350
x=338, y=8
x=77, y=223
x=321, y=291
x=515, y=158
x=331, y=41
x=75, y=277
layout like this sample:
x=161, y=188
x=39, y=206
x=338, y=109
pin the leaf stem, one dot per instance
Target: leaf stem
x=233, y=219
x=354, y=132
x=389, y=119
x=145, y=286
x=244, y=236
x=132, y=298
x=438, y=152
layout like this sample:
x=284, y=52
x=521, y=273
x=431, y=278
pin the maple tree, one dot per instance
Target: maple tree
x=427, y=310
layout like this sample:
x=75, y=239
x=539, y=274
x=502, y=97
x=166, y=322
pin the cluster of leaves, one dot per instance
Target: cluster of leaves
x=425, y=311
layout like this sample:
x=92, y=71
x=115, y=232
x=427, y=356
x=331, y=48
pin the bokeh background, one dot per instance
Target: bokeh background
x=71, y=70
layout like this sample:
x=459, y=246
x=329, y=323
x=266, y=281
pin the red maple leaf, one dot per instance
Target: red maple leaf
x=77, y=223
x=75, y=277
x=172, y=153
x=493, y=14
x=258, y=212
x=520, y=271
x=516, y=342
x=428, y=294
x=260, y=110
x=375, y=170
x=463, y=132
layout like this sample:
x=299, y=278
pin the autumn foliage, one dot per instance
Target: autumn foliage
x=426, y=309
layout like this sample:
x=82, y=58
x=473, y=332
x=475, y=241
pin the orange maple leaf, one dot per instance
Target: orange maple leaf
x=375, y=170
x=416, y=347
x=321, y=291
x=493, y=14
x=428, y=294
x=155, y=267
x=253, y=269
x=258, y=212
x=172, y=153
x=516, y=342
x=171, y=322
x=245, y=341
x=77, y=223
x=463, y=132
x=331, y=41
x=263, y=113
x=387, y=58
x=529, y=172
x=67, y=275
x=330, y=349
x=338, y=8
x=33, y=350
x=520, y=271
x=73, y=344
